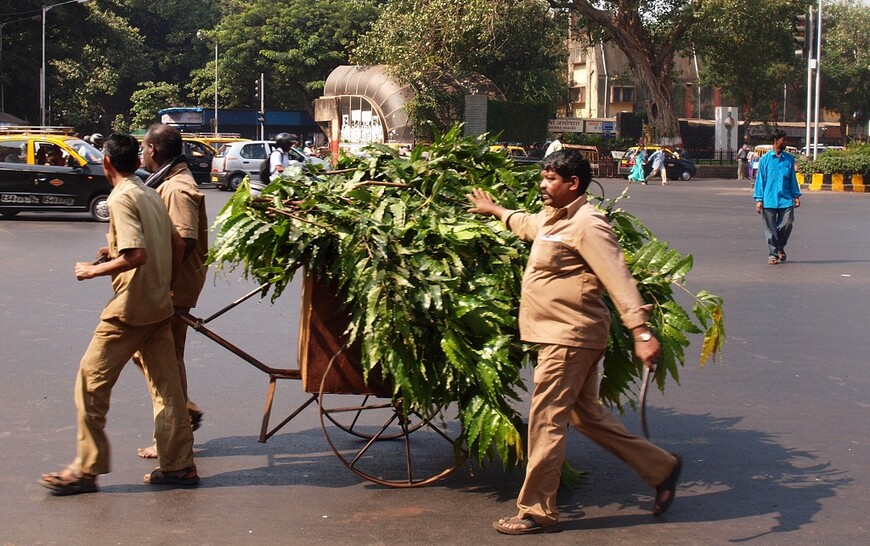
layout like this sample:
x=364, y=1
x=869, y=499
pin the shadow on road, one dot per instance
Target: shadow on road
x=729, y=473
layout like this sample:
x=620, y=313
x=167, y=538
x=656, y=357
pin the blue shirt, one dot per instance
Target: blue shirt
x=776, y=183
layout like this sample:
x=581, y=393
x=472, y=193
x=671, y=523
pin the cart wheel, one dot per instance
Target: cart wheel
x=356, y=420
x=378, y=437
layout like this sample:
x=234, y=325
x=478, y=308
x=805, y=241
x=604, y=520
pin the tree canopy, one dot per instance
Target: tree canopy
x=845, y=66
x=296, y=44
x=750, y=70
x=517, y=44
x=102, y=55
x=649, y=33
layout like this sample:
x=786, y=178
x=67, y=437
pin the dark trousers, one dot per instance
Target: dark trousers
x=777, y=228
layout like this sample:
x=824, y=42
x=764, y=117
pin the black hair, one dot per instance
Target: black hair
x=778, y=134
x=122, y=152
x=166, y=140
x=568, y=163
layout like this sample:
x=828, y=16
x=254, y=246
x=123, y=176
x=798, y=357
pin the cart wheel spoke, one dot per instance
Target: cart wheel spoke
x=378, y=421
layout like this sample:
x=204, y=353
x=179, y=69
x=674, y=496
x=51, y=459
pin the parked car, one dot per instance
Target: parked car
x=808, y=151
x=52, y=172
x=236, y=160
x=676, y=167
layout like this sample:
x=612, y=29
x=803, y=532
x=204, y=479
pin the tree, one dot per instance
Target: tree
x=169, y=31
x=845, y=63
x=649, y=33
x=516, y=44
x=748, y=52
x=296, y=44
x=149, y=98
x=93, y=70
x=437, y=45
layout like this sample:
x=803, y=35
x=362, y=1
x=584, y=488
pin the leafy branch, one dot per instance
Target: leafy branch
x=433, y=292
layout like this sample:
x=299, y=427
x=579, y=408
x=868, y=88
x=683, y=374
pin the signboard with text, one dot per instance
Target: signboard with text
x=581, y=125
x=182, y=118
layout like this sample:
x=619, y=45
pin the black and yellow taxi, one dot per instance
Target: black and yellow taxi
x=49, y=169
x=199, y=154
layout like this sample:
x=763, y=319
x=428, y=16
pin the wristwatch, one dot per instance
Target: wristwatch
x=644, y=337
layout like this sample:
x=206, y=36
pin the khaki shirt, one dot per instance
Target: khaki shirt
x=186, y=207
x=574, y=258
x=138, y=219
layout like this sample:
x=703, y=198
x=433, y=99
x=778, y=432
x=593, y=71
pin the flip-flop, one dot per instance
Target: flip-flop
x=186, y=477
x=668, y=486
x=531, y=527
x=66, y=483
x=781, y=255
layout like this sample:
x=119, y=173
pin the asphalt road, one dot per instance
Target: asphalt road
x=774, y=436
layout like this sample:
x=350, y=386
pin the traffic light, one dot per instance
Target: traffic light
x=261, y=118
x=257, y=91
x=803, y=36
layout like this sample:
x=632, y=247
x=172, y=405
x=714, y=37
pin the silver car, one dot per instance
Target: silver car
x=236, y=160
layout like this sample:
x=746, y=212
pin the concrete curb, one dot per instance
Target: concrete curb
x=834, y=182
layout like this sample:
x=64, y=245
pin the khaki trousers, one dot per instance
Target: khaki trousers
x=111, y=347
x=179, y=335
x=566, y=390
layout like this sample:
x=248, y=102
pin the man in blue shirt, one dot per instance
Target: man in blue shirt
x=776, y=195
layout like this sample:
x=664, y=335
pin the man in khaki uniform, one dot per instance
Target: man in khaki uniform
x=171, y=177
x=143, y=250
x=574, y=258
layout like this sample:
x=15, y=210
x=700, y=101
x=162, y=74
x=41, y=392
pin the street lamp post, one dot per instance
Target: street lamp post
x=729, y=124
x=46, y=9
x=201, y=35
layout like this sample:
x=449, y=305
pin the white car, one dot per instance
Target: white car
x=236, y=160
x=822, y=149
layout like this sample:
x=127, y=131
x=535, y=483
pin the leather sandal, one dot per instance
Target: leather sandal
x=186, y=477
x=528, y=526
x=667, y=490
x=68, y=482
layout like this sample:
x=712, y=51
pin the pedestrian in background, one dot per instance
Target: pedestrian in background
x=171, y=177
x=657, y=161
x=777, y=194
x=743, y=160
x=637, y=174
x=556, y=145
x=574, y=259
x=144, y=249
x=752, y=160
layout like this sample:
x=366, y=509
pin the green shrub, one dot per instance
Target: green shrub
x=853, y=160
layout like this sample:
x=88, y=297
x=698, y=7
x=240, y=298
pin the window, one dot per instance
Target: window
x=360, y=121
x=13, y=151
x=253, y=151
x=578, y=95
x=622, y=94
x=195, y=149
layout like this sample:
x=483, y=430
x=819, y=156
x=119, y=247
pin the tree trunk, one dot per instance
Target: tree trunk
x=656, y=78
x=652, y=59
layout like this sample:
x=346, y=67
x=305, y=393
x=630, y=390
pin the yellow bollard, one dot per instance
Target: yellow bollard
x=816, y=184
x=837, y=182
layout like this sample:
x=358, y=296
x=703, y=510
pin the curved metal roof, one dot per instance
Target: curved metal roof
x=382, y=91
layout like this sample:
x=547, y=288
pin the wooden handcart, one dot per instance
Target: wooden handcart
x=368, y=430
